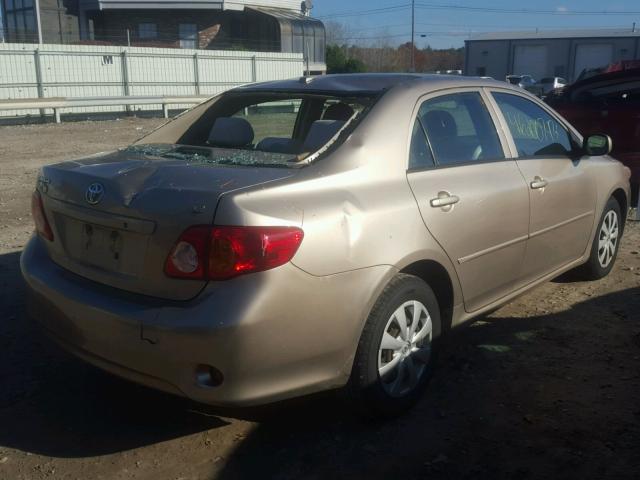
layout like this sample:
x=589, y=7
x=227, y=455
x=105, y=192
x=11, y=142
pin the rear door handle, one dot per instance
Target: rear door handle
x=444, y=199
x=539, y=183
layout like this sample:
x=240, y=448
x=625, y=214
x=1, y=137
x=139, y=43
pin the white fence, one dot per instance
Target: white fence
x=43, y=71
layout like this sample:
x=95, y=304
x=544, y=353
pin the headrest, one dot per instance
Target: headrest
x=440, y=124
x=338, y=111
x=230, y=132
x=321, y=132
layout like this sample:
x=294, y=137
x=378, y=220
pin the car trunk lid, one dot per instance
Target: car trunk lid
x=116, y=216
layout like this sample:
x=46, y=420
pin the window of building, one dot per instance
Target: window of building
x=460, y=129
x=20, y=20
x=148, y=30
x=320, y=44
x=535, y=132
x=188, y=35
x=238, y=31
x=297, y=38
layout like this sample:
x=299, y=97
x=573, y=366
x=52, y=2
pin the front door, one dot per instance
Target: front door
x=562, y=194
x=473, y=200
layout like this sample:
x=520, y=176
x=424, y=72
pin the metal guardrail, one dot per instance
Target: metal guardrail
x=58, y=103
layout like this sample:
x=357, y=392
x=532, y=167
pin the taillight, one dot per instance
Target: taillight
x=187, y=258
x=39, y=217
x=219, y=253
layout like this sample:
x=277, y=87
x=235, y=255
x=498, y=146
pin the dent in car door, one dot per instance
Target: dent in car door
x=473, y=201
x=562, y=193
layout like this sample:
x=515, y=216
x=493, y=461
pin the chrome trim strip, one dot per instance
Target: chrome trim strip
x=495, y=248
x=473, y=256
x=561, y=224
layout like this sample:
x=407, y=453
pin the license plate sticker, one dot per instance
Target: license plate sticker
x=102, y=241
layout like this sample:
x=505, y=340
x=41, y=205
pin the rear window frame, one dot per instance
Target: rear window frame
x=495, y=120
x=251, y=97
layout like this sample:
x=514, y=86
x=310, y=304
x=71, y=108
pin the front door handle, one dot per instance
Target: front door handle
x=444, y=199
x=539, y=183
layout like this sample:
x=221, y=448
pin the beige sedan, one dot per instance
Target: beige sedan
x=296, y=236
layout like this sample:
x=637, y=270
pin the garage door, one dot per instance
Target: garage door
x=593, y=55
x=530, y=60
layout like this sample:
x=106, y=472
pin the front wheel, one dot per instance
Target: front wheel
x=397, y=349
x=604, y=249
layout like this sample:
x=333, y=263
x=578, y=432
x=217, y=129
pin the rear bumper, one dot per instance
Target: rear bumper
x=273, y=335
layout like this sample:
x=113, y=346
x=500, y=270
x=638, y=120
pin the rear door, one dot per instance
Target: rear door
x=562, y=194
x=473, y=200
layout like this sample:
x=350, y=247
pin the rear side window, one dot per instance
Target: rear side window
x=420, y=153
x=535, y=132
x=460, y=129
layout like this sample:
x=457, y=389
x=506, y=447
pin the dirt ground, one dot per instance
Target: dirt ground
x=547, y=387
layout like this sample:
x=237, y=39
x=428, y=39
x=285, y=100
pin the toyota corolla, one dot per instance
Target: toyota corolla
x=296, y=236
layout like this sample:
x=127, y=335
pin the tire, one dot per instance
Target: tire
x=604, y=249
x=386, y=382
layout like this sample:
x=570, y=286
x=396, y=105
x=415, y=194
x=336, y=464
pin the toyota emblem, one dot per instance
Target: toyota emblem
x=94, y=193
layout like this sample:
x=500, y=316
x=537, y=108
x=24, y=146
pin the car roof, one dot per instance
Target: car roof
x=369, y=83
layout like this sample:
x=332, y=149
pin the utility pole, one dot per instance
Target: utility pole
x=413, y=33
x=36, y=4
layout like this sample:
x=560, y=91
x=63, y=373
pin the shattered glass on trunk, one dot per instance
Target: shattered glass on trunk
x=215, y=156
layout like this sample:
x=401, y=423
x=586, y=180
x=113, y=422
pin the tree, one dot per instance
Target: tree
x=337, y=61
x=348, y=54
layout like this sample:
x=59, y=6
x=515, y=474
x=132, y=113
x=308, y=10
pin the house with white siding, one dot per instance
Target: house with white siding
x=253, y=25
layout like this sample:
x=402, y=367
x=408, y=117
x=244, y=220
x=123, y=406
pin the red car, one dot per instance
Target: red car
x=607, y=101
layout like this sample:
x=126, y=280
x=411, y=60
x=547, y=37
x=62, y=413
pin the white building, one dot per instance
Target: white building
x=565, y=53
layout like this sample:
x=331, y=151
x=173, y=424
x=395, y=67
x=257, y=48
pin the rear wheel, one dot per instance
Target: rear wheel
x=604, y=249
x=397, y=350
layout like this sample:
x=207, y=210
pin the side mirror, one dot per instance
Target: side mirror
x=598, y=145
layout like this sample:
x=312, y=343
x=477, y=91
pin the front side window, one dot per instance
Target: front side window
x=460, y=129
x=535, y=132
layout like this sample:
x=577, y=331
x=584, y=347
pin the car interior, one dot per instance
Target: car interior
x=274, y=123
x=460, y=129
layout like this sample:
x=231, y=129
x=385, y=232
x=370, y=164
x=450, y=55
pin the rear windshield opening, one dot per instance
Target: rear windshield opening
x=258, y=129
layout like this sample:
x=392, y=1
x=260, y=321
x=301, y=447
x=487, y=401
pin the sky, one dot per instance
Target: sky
x=449, y=27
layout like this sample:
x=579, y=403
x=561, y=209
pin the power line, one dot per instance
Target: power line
x=434, y=6
x=466, y=26
x=407, y=35
x=360, y=13
x=377, y=37
x=442, y=6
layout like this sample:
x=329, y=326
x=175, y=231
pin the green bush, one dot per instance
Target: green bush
x=337, y=61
